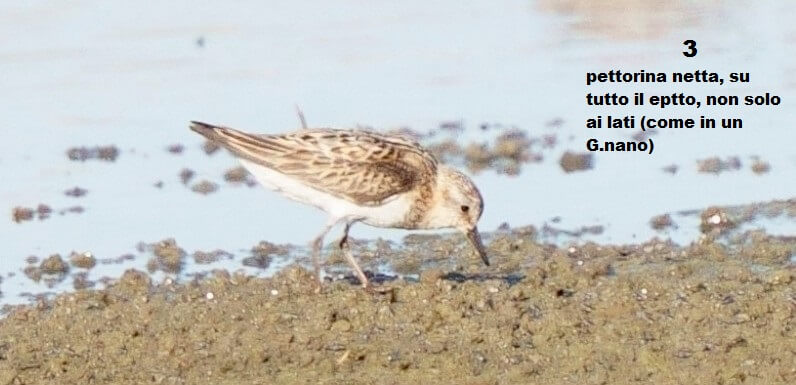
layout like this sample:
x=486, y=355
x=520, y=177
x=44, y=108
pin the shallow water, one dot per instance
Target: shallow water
x=95, y=73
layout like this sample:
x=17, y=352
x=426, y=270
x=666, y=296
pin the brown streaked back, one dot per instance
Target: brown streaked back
x=360, y=166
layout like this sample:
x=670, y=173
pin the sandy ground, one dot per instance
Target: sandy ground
x=709, y=313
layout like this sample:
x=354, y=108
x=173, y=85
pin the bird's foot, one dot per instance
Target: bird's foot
x=319, y=284
x=381, y=291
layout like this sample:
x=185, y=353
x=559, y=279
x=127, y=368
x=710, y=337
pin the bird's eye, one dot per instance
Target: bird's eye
x=465, y=209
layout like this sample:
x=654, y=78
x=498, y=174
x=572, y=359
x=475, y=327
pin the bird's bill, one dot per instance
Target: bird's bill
x=475, y=240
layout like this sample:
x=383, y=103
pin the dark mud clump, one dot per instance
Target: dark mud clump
x=239, y=175
x=72, y=209
x=571, y=161
x=716, y=165
x=452, y=125
x=549, y=141
x=512, y=149
x=175, y=149
x=258, y=261
x=205, y=257
x=550, y=231
x=42, y=211
x=662, y=222
x=204, y=187
x=210, y=147
x=236, y=175
x=51, y=270
x=186, y=175
x=555, y=123
x=726, y=221
x=506, y=154
x=169, y=257
x=32, y=272
x=76, y=192
x=642, y=136
x=21, y=214
x=268, y=248
x=760, y=167
x=83, y=260
x=715, y=220
x=117, y=260
x=54, y=264
x=648, y=313
x=262, y=254
x=80, y=281
x=671, y=169
x=446, y=150
x=105, y=153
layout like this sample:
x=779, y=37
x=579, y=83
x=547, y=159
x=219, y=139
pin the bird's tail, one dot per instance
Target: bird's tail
x=209, y=131
x=252, y=147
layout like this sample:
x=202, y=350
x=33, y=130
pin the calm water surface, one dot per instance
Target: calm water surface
x=100, y=73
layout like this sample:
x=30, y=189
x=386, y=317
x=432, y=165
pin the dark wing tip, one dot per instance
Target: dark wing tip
x=204, y=129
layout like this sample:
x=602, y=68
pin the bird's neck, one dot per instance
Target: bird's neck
x=429, y=207
x=421, y=202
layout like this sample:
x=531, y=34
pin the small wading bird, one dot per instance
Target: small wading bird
x=358, y=176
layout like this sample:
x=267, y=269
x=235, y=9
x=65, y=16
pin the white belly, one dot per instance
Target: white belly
x=390, y=214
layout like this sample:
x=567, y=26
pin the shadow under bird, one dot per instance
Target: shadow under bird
x=358, y=176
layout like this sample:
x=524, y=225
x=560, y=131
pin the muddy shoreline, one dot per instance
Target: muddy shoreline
x=652, y=313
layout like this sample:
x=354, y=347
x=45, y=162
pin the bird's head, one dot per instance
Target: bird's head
x=458, y=204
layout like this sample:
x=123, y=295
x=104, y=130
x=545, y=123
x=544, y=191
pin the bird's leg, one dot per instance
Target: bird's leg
x=344, y=246
x=317, y=243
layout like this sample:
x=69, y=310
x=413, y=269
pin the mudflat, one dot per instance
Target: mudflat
x=593, y=314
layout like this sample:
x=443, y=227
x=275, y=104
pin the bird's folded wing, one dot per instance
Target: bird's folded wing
x=362, y=167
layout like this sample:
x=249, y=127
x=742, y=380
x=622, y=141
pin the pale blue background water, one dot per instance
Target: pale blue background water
x=124, y=73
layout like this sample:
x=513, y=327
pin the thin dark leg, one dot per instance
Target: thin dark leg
x=317, y=243
x=344, y=246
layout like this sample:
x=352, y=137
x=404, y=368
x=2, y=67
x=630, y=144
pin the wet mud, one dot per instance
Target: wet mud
x=186, y=175
x=709, y=312
x=506, y=150
x=76, y=192
x=239, y=175
x=716, y=165
x=571, y=161
x=41, y=212
x=209, y=147
x=83, y=260
x=175, y=149
x=760, y=166
x=204, y=187
x=105, y=153
x=168, y=257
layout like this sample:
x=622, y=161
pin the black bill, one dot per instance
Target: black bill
x=475, y=240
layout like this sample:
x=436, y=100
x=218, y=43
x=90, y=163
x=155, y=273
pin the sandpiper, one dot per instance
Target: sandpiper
x=358, y=176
